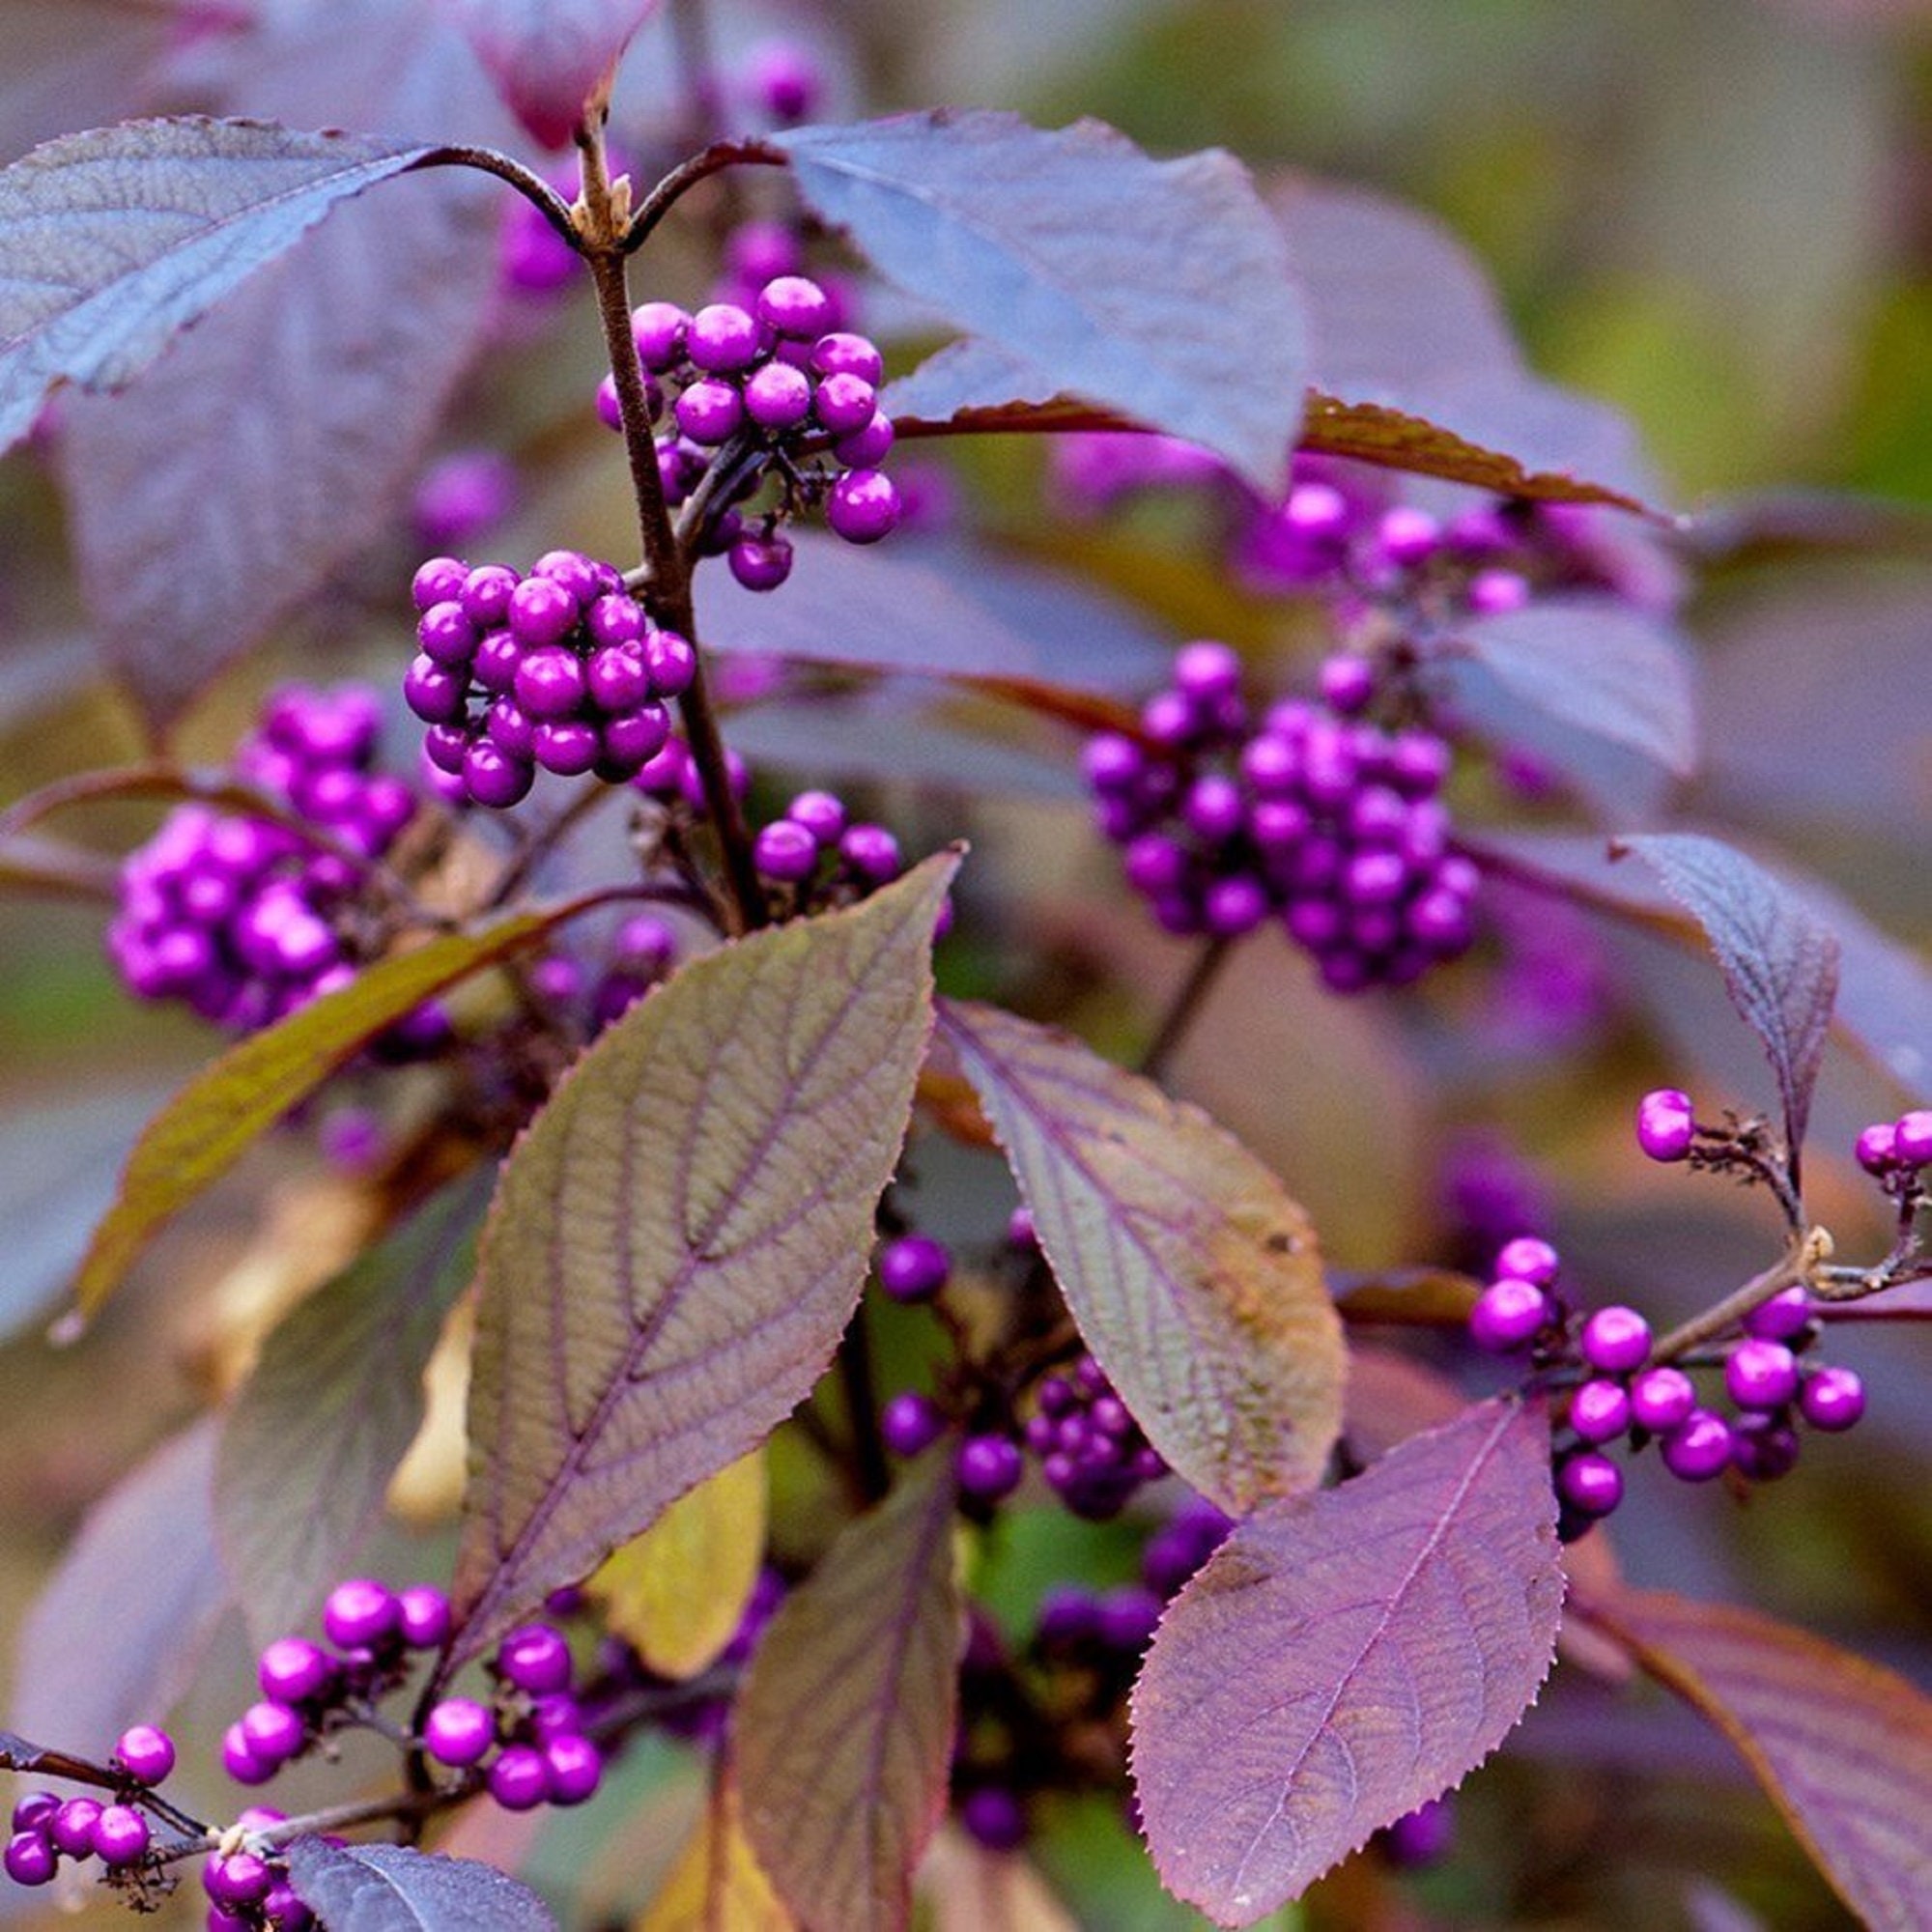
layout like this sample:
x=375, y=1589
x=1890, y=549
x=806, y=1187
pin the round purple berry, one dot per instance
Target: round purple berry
x=446, y=635
x=1615, y=1340
x=1661, y=1399
x=293, y=1669
x=1698, y=1448
x=71, y=1827
x=994, y=1817
x=1590, y=1483
x=238, y=1879
x=568, y=747
x=821, y=813
x=1832, y=1398
x=146, y=1754
x=794, y=305
x=867, y=445
x=761, y=563
x=1507, y=1314
x=437, y=582
x=459, y=1731
x=518, y=1778
x=1761, y=1374
x=710, y=412
x=535, y=1658
x=358, y=1613
x=242, y=1761
x=871, y=852
x=657, y=330
x=1912, y=1138
x=1600, y=1411
x=493, y=777
x=863, y=506
x=436, y=696
x=844, y=404
x=30, y=1858
x=423, y=1616
x=786, y=851
x=550, y=682
x=1877, y=1148
x=724, y=337
x=36, y=1810
x=777, y=396
x=914, y=1268
x=272, y=1732
x=541, y=611
x=285, y=1911
x=573, y=1766
x=1786, y=1315
x=910, y=1423
x=1528, y=1258
x=988, y=1467
x=1763, y=1449
x=1664, y=1128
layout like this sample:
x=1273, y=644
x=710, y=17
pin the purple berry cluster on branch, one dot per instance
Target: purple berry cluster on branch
x=1091, y=1450
x=244, y=918
x=1310, y=814
x=560, y=669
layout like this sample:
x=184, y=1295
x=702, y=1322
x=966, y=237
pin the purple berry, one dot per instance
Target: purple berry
x=988, y=1467
x=497, y=656
x=1832, y=1398
x=241, y=1762
x=486, y=594
x=437, y=582
x=573, y=1766
x=447, y=636
x=567, y=746
x=1877, y=1148
x=437, y=696
x=272, y=1732
x=1408, y=536
x=71, y=1827
x=358, y=1613
x=238, y=1879
x=657, y=330
x=146, y=1754
x=863, y=506
x=633, y=738
x=1347, y=683
x=293, y=1670
x=285, y=1911
x=871, y=852
x=821, y=813
x=35, y=1811
x=550, y=682
x=1491, y=592
x=844, y=404
x=459, y=1731
x=1786, y=1315
x=1590, y=1483
x=914, y=1268
x=710, y=412
x=1698, y=1448
x=1507, y=1314
x=535, y=1658
x=1912, y=1138
x=867, y=445
x=1664, y=1128
x=30, y=1858
x=1661, y=1399
x=994, y=1817
x=724, y=337
x=518, y=1778
x=1615, y=1340
x=786, y=851
x=761, y=563
x=1600, y=1411
x=541, y=611
x=910, y=1423
x=1529, y=1260
x=783, y=78
x=1127, y=1618
x=1763, y=1449
x=846, y=354
x=1421, y=1837
x=795, y=307
x=1761, y=1374
x=777, y=396
x=673, y=663
x=493, y=777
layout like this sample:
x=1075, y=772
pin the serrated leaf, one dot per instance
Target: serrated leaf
x=310, y=1446
x=718, y=1885
x=336, y=363
x=114, y=240
x=1345, y=1657
x=546, y=56
x=1161, y=289
x=394, y=1889
x=119, y=1631
x=1596, y=665
x=1194, y=1277
x=676, y=1593
x=1843, y=1746
x=213, y=1122
x=1779, y=962
x=843, y=1732
x=679, y=1238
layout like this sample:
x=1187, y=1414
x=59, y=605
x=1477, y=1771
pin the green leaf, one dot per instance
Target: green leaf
x=331, y=1408
x=1194, y=1277
x=843, y=1733
x=213, y=1122
x=680, y=1237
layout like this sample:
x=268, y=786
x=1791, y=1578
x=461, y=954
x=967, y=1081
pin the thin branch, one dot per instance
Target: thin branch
x=530, y=186
x=1794, y=1268
x=1184, y=1007
x=685, y=176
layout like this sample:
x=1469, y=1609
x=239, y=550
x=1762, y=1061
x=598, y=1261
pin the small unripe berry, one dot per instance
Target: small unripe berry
x=1664, y=1128
x=1615, y=1340
x=146, y=1754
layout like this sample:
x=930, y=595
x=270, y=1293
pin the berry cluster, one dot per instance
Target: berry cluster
x=1897, y=1153
x=528, y=1745
x=47, y=1828
x=641, y=951
x=560, y=668
x=1091, y=1449
x=1313, y=815
x=778, y=382
x=244, y=918
x=1622, y=1393
x=816, y=851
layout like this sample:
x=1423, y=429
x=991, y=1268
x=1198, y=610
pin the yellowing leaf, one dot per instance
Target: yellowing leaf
x=677, y=1592
x=718, y=1885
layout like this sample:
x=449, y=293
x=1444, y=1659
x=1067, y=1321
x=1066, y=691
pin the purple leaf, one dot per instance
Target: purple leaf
x=213, y=1121
x=546, y=56
x=679, y=1238
x=938, y=609
x=394, y=1889
x=1160, y=289
x=1345, y=1657
x=120, y=1630
x=1843, y=1746
x=114, y=240
x=843, y=1731
x=329, y=1409
x=1595, y=665
x=1194, y=1277
x=1780, y=964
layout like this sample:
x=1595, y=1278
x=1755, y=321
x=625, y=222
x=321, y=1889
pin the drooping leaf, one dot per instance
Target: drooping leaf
x=1194, y=1277
x=546, y=56
x=395, y=1888
x=207, y=1128
x=676, y=1593
x=317, y=1430
x=1345, y=1657
x=1843, y=1746
x=1160, y=289
x=114, y=240
x=120, y=1630
x=1779, y=962
x=843, y=1731
x=679, y=1238
x=718, y=1885
x=1594, y=664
